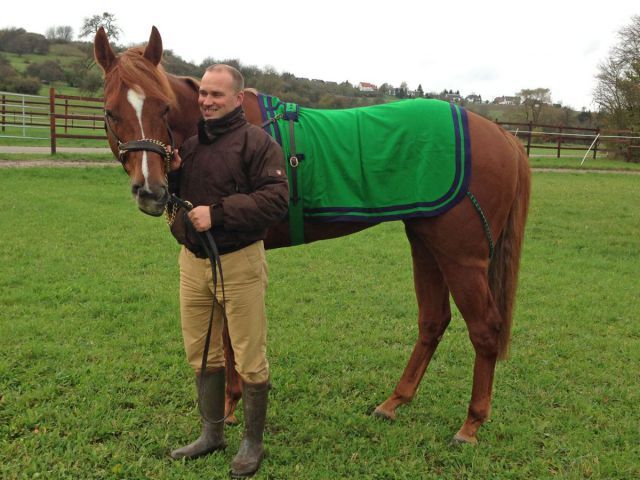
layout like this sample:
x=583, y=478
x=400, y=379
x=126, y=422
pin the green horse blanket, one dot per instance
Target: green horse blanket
x=385, y=162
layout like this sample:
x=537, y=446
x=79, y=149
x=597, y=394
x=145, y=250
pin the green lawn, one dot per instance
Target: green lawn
x=94, y=385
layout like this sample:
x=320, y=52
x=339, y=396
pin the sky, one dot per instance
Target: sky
x=491, y=47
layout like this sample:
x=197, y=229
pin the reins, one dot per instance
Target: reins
x=166, y=152
x=213, y=254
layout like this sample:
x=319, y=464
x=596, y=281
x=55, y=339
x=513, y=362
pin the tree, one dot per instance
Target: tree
x=403, y=91
x=419, y=91
x=618, y=89
x=47, y=71
x=385, y=89
x=91, y=25
x=91, y=83
x=61, y=33
x=534, y=102
x=18, y=40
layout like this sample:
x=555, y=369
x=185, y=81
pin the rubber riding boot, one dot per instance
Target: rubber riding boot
x=212, y=412
x=254, y=399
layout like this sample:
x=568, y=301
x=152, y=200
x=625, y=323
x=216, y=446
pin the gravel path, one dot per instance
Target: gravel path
x=114, y=163
x=47, y=150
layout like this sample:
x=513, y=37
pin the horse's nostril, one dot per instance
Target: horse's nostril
x=135, y=188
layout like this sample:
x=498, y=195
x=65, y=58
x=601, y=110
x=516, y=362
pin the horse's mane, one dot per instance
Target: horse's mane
x=135, y=71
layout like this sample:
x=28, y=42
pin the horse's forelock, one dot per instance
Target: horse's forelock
x=135, y=71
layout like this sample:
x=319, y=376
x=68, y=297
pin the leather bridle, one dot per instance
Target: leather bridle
x=165, y=151
x=143, y=145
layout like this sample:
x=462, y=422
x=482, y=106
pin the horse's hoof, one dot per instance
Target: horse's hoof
x=231, y=420
x=386, y=414
x=460, y=439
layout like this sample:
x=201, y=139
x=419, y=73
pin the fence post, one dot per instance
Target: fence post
x=4, y=100
x=52, y=118
x=24, y=118
x=66, y=114
x=559, y=141
x=529, y=138
x=595, y=147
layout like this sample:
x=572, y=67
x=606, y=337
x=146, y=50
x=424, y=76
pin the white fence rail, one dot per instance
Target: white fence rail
x=24, y=116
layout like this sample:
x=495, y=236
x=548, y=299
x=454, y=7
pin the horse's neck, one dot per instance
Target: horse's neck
x=184, y=121
x=251, y=107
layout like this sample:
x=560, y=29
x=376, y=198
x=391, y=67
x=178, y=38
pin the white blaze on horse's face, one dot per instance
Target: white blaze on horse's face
x=136, y=99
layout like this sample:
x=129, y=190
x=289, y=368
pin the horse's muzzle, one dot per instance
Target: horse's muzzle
x=151, y=202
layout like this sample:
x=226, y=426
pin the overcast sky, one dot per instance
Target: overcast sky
x=490, y=47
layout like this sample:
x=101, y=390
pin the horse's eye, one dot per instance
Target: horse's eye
x=165, y=112
x=112, y=116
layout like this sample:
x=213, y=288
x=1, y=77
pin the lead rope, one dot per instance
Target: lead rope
x=216, y=265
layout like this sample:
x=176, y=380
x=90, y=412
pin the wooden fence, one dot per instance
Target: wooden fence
x=560, y=137
x=71, y=116
x=76, y=113
x=64, y=116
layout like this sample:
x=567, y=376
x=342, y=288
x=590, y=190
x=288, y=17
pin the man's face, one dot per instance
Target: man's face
x=217, y=96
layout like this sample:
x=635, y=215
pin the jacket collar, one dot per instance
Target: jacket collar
x=210, y=130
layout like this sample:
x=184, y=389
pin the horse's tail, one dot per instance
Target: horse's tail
x=503, y=269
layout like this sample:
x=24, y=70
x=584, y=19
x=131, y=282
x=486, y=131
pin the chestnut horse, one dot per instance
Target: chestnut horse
x=148, y=111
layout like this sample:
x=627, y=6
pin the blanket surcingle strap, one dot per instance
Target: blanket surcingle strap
x=393, y=161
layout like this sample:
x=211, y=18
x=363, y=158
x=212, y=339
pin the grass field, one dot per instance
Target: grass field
x=93, y=383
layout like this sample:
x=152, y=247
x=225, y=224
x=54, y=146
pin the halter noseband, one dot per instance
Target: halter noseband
x=143, y=145
x=148, y=145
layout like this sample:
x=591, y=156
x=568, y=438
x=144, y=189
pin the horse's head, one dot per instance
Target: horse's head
x=137, y=101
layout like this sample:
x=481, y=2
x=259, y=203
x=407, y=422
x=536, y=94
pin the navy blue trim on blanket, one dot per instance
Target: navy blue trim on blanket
x=269, y=112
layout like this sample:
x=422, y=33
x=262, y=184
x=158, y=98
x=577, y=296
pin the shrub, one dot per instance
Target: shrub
x=26, y=85
x=49, y=71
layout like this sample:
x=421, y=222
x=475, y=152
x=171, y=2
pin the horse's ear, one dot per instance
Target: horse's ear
x=153, y=51
x=102, y=51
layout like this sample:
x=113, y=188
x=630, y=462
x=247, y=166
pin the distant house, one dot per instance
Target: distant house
x=452, y=97
x=473, y=98
x=367, y=87
x=506, y=100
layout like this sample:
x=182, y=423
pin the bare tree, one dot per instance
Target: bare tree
x=534, y=102
x=91, y=25
x=62, y=33
x=618, y=89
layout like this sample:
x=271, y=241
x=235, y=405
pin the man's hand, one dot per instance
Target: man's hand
x=176, y=161
x=201, y=218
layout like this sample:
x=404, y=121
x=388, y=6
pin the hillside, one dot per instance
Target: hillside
x=29, y=63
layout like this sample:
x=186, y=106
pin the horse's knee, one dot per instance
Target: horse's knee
x=431, y=331
x=485, y=339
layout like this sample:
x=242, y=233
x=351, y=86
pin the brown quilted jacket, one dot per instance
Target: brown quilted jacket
x=238, y=171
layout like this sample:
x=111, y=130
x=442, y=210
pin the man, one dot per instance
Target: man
x=234, y=175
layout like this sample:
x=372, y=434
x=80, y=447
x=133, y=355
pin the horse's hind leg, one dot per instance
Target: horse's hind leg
x=470, y=290
x=433, y=318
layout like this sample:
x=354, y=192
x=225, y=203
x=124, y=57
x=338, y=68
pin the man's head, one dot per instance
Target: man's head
x=221, y=91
